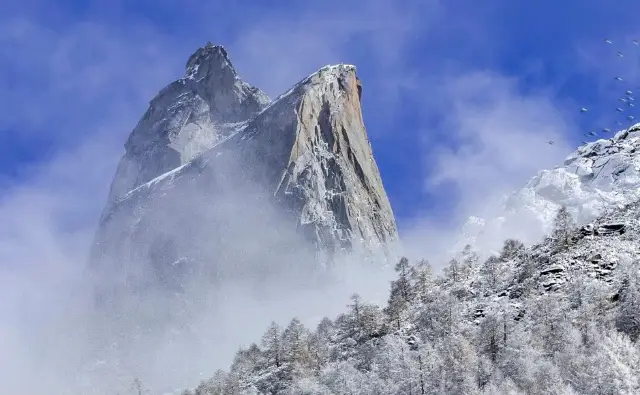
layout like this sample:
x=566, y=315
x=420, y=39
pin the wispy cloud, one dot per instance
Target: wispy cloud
x=378, y=33
x=497, y=139
x=490, y=138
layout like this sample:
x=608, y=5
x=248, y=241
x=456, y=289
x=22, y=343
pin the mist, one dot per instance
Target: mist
x=52, y=328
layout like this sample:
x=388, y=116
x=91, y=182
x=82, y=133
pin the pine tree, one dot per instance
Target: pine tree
x=272, y=344
x=138, y=387
x=491, y=271
x=491, y=336
x=350, y=324
x=294, y=343
x=402, y=285
x=401, y=293
x=355, y=306
x=511, y=249
x=563, y=225
x=469, y=261
x=452, y=271
x=213, y=386
x=525, y=267
x=628, y=319
x=320, y=343
x=422, y=280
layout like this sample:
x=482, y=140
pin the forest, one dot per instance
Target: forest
x=546, y=319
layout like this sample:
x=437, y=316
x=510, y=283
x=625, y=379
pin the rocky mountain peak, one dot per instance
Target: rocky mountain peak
x=186, y=118
x=213, y=154
x=212, y=56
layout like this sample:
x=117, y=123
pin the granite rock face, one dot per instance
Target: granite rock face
x=187, y=118
x=216, y=172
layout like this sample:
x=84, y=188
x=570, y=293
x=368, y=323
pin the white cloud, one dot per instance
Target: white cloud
x=68, y=81
x=500, y=138
x=491, y=140
x=296, y=45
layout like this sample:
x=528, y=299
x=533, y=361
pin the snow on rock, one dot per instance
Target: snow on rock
x=596, y=249
x=306, y=153
x=187, y=118
x=598, y=177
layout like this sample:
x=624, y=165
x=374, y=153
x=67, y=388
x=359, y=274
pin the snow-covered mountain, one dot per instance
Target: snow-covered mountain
x=598, y=177
x=214, y=167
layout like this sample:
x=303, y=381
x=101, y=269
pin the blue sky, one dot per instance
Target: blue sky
x=459, y=98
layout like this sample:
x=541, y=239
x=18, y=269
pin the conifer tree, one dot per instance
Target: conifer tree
x=469, y=261
x=294, y=343
x=272, y=344
x=511, y=249
x=422, y=280
x=402, y=285
x=563, y=225
x=452, y=271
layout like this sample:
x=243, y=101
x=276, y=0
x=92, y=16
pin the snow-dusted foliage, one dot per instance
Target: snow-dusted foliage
x=560, y=317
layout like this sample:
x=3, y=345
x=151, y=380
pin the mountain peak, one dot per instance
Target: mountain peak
x=209, y=58
x=214, y=154
x=186, y=118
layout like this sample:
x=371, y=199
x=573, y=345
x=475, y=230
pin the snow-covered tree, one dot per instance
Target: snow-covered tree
x=214, y=386
x=469, y=260
x=402, y=284
x=546, y=320
x=563, y=226
x=295, y=348
x=453, y=270
x=138, y=388
x=511, y=249
x=402, y=292
x=628, y=319
x=439, y=318
x=492, y=272
x=320, y=343
x=272, y=344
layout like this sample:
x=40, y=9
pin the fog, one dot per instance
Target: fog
x=58, y=340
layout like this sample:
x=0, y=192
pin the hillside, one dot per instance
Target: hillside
x=560, y=317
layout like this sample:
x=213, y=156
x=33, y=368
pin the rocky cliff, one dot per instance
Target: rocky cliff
x=215, y=171
x=187, y=118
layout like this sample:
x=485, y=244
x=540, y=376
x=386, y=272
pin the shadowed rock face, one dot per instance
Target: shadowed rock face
x=216, y=178
x=187, y=118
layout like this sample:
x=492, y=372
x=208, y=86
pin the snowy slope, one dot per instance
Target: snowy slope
x=598, y=177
